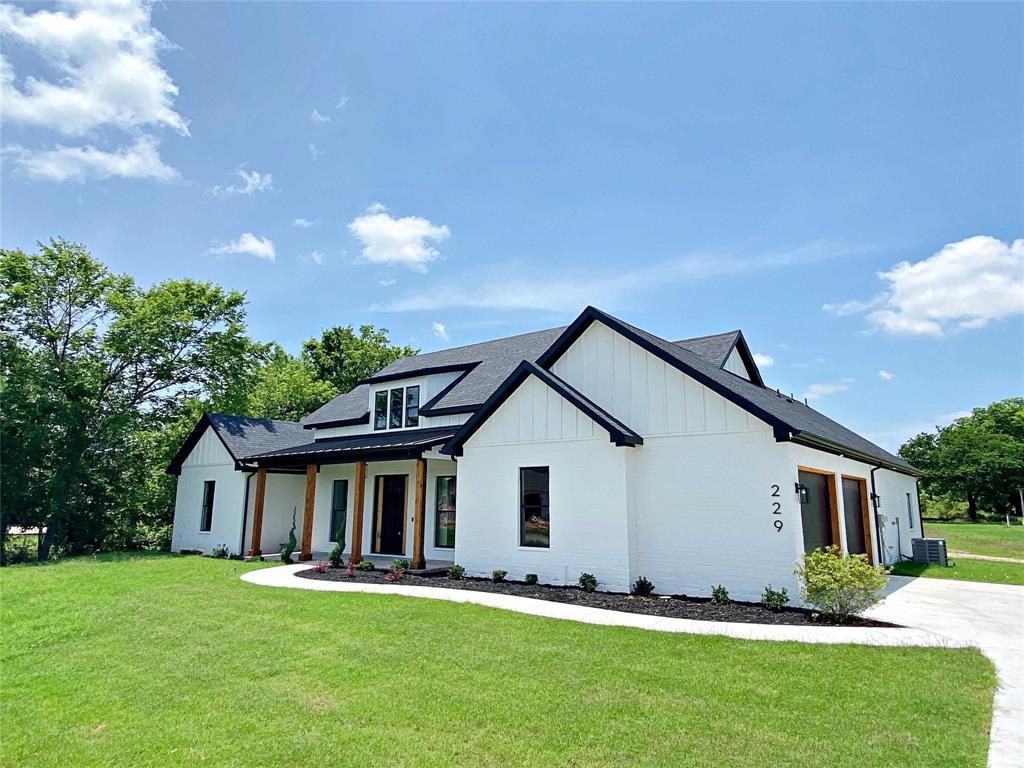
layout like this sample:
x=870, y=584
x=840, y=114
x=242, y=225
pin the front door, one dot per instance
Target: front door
x=389, y=515
x=816, y=510
x=855, y=510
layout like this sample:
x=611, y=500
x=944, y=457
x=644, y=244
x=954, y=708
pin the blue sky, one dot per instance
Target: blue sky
x=842, y=182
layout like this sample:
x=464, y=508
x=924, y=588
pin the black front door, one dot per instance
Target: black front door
x=389, y=515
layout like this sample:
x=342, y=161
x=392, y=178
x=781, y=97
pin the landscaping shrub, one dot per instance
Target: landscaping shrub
x=320, y=566
x=720, y=595
x=498, y=575
x=530, y=578
x=394, y=574
x=774, y=599
x=365, y=565
x=190, y=552
x=337, y=557
x=642, y=587
x=351, y=568
x=289, y=547
x=220, y=551
x=456, y=572
x=837, y=585
x=399, y=564
x=588, y=582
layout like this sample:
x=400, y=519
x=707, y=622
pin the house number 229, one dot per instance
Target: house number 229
x=776, y=508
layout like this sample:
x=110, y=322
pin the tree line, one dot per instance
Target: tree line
x=976, y=463
x=101, y=380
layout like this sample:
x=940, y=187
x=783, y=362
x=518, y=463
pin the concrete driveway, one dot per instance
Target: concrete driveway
x=989, y=617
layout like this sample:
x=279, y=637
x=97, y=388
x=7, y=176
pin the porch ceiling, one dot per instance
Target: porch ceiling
x=382, y=446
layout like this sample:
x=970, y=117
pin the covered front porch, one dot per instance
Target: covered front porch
x=387, y=496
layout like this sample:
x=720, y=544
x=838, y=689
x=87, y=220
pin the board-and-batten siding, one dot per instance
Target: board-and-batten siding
x=208, y=450
x=734, y=364
x=534, y=413
x=643, y=391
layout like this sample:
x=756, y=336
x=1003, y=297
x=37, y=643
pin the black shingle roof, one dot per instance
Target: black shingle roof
x=242, y=436
x=714, y=348
x=397, y=443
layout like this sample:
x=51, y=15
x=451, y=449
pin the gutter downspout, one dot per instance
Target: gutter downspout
x=245, y=515
x=878, y=525
x=920, y=515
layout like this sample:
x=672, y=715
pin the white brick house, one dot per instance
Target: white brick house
x=596, y=447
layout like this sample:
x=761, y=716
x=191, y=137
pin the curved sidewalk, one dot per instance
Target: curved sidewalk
x=284, y=576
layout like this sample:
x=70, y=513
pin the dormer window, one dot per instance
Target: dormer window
x=396, y=408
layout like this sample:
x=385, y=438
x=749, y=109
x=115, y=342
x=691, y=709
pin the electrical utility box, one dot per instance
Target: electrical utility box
x=929, y=551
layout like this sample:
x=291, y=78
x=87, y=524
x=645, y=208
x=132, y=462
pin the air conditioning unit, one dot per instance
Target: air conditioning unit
x=929, y=551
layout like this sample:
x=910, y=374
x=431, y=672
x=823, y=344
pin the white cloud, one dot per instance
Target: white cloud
x=315, y=257
x=106, y=58
x=405, y=241
x=314, y=151
x=317, y=118
x=141, y=160
x=964, y=286
x=341, y=102
x=248, y=243
x=304, y=223
x=818, y=391
x=853, y=307
x=570, y=292
x=440, y=330
x=252, y=182
x=884, y=375
x=388, y=282
x=763, y=361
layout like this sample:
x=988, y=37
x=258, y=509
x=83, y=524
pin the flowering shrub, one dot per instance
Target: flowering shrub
x=498, y=575
x=837, y=585
x=395, y=574
x=320, y=566
x=351, y=569
x=720, y=595
x=588, y=582
x=642, y=587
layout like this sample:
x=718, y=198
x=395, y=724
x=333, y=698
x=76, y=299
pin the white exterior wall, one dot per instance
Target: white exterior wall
x=734, y=364
x=284, y=493
x=209, y=460
x=536, y=427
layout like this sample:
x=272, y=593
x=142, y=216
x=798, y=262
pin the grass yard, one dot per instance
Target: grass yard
x=995, y=539
x=966, y=570
x=163, y=661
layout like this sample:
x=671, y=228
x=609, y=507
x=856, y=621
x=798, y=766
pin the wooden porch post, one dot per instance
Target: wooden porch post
x=257, y=512
x=356, y=550
x=307, y=517
x=419, y=515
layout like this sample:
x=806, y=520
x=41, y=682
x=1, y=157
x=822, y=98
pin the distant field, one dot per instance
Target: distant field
x=994, y=539
x=966, y=570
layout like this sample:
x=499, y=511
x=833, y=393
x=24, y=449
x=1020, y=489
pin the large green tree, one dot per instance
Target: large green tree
x=94, y=369
x=287, y=388
x=342, y=357
x=978, y=458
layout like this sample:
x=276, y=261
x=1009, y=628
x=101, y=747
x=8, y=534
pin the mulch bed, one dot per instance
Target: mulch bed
x=674, y=606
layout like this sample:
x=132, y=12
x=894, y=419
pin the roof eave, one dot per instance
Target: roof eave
x=829, y=446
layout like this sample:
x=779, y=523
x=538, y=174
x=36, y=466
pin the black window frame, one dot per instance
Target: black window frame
x=335, y=510
x=380, y=413
x=543, y=507
x=396, y=414
x=206, y=513
x=412, y=411
x=437, y=510
x=910, y=512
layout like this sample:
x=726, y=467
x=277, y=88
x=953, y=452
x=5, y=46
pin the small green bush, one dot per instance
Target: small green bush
x=399, y=565
x=837, y=585
x=588, y=582
x=530, y=578
x=774, y=599
x=365, y=565
x=456, y=572
x=337, y=558
x=720, y=595
x=642, y=587
x=498, y=575
x=288, y=547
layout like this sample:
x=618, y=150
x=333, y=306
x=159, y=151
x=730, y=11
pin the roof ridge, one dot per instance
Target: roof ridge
x=707, y=336
x=488, y=341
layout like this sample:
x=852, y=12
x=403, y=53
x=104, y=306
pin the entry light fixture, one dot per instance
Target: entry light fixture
x=805, y=495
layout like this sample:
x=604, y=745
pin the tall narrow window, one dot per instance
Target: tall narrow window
x=395, y=421
x=380, y=409
x=206, y=518
x=444, y=516
x=910, y=512
x=412, y=406
x=339, y=510
x=534, y=514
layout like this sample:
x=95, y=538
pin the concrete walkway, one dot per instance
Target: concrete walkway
x=935, y=614
x=989, y=617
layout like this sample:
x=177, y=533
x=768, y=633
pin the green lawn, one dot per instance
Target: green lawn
x=164, y=661
x=981, y=538
x=966, y=570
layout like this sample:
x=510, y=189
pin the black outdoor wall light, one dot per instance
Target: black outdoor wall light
x=805, y=495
